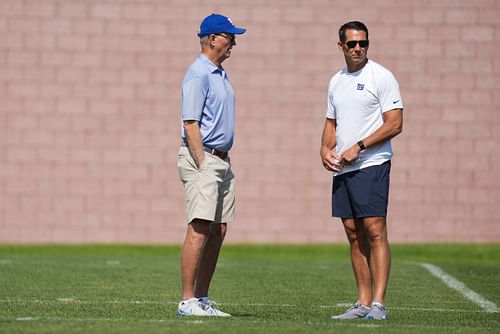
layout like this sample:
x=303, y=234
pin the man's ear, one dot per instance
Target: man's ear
x=211, y=41
x=340, y=46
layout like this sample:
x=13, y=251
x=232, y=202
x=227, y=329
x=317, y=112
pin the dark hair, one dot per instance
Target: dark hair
x=354, y=25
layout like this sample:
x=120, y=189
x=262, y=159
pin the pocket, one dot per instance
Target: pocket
x=191, y=163
x=203, y=164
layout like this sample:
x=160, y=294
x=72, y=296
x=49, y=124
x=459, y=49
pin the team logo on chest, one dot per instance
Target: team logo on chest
x=360, y=86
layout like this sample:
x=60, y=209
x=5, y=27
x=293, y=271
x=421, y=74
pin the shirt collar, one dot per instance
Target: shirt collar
x=211, y=66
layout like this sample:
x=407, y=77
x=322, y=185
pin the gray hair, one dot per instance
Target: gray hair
x=204, y=41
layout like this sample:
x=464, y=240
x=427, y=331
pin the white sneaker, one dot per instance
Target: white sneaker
x=192, y=307
x=211, y=307
x=378, y=312
x=357, y=311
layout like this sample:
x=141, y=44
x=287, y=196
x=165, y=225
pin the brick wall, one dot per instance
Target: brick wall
x=89, y=117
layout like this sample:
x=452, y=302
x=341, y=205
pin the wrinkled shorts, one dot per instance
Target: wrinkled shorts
x=362, y=193
x=209, y=190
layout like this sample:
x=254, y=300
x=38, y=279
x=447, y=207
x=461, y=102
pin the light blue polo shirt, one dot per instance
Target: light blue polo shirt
x=207, y=97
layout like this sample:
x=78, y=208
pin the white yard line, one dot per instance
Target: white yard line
x=455, y=284
x=146, y=302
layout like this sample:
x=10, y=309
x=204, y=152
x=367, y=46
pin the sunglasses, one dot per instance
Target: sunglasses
x=352, y=44
x=230, y=38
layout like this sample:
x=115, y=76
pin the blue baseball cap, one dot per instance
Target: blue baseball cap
x=216, y=23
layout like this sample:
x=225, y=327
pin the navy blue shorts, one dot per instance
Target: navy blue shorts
x=362, y=193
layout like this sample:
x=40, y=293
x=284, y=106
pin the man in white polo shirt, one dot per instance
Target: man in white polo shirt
x=364, y=112
x=207, y=122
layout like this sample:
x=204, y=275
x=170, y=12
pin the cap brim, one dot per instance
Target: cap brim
x=236, y=31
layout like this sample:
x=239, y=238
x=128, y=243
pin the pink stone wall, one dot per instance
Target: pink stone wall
x=89, y=117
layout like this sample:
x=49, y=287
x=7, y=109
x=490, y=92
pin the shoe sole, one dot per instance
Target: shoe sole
x=348, y=318
x=179, y=314
x=376, y=318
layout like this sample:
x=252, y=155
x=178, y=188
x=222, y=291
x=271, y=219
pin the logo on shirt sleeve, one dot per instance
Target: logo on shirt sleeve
x=360, y=86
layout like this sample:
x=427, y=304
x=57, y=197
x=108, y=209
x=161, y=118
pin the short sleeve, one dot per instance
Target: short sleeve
x=193, y=96
x=330, y=108
x=388, y=92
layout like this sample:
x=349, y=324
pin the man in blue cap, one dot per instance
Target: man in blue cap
x=207, y=106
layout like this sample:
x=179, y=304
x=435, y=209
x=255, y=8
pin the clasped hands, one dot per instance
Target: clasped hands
x=334, y=162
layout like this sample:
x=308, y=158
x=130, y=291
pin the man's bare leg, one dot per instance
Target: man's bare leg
x=209, y=259
x=196, y=236
x=380, y=260
x=360, y=258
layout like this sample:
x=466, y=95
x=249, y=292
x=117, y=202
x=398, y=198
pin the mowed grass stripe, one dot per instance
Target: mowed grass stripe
x=269, y=289
x=188, y=321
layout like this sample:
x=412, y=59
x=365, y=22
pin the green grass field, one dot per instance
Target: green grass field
x=268, y=289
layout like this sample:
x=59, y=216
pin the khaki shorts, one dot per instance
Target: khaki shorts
x=209, y=190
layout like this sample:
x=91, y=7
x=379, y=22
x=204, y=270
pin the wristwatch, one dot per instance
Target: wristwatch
x=361, y=145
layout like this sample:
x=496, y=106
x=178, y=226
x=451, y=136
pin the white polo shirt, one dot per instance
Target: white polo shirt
x=357, y=101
